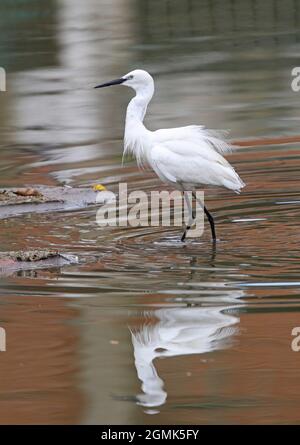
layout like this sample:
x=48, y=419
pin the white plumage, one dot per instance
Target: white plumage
x=177, y=331
x=186, y=157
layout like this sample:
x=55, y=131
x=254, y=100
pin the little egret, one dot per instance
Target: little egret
x=185, y=157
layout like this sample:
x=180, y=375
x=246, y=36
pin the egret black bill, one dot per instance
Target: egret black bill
x=112, y=82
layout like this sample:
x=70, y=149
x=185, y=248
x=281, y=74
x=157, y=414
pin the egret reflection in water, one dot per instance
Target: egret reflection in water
x=178, y=331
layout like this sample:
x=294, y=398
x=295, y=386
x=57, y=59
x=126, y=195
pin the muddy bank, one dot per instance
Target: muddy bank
x=33, y=259
x=17, y=201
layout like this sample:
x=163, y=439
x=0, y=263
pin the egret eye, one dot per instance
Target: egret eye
x=129, y=77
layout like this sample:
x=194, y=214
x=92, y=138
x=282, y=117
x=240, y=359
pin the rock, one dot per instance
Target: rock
x=38, y=199
x=33, y=259
x=27, y=192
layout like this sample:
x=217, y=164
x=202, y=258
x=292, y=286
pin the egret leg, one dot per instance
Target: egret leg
x=191, y=216
x=211, y=222
x=209, y=217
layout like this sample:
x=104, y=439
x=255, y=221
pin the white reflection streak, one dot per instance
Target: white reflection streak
x=57, y=105
x=179, y=331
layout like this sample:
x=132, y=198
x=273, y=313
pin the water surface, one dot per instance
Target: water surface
x=145, y=329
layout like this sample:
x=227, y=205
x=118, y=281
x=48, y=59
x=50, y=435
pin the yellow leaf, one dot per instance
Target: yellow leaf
x=99, y=188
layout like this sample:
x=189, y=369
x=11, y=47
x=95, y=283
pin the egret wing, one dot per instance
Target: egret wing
x=196, y=134
x=160, y=161
x=176, y=166
x=183, y=163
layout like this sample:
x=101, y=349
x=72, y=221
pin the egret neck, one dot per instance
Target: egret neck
x=137, y=138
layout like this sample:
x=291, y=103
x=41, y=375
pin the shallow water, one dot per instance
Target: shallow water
x=145, y=329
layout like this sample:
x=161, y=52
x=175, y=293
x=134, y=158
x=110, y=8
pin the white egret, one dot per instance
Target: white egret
x=186, y=157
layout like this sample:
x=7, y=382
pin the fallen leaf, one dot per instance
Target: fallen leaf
x=99, y=188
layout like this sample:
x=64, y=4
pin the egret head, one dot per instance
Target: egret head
x=137, y=79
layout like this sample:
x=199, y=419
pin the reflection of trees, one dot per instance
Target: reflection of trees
x=237, y=52
x=27, y=19
x=58, y=109
x=177, y=19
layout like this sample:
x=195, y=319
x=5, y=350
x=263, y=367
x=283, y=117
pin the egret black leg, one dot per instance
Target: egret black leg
x=209, y=217
x=184, y=233
x=191, y=216
x=211, y=222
